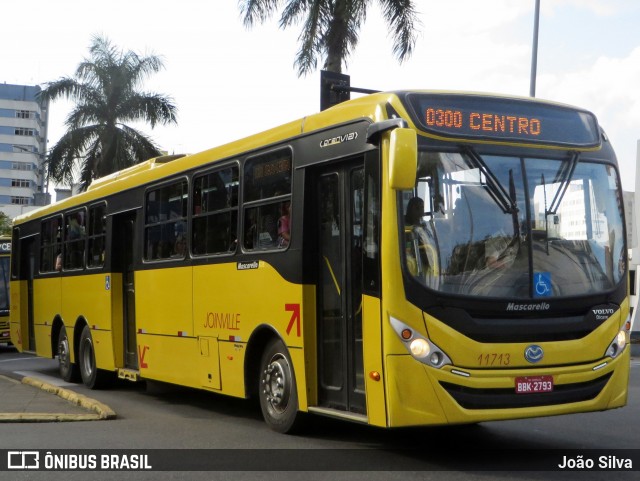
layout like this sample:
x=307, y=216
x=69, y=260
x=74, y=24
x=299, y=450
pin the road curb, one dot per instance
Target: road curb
x=101, y=411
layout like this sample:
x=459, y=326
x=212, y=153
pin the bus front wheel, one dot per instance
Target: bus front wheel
x=277, y=390
x=68, y=370
x=92, y=377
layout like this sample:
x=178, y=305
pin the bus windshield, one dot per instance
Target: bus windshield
x=513, y=227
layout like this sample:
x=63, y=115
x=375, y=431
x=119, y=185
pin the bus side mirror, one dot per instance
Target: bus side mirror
x=403, y=158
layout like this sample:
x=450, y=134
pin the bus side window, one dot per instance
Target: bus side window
x=50, y=243
x=166, y=222
x=267, y=200
x=74, y=241
x=97, y=235
x=215, y=212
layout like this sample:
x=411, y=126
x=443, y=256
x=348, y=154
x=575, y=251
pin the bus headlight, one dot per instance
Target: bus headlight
x=421, y=348
x=617, y=345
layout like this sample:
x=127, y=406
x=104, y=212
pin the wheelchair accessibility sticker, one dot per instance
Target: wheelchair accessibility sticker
x=542, y=284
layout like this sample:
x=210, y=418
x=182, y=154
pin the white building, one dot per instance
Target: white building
x=634, y=245
x=23, y=141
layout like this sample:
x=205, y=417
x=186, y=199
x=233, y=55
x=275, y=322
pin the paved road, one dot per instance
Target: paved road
x=161, y=417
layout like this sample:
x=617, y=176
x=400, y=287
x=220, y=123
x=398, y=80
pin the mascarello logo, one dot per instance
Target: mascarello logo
x=533, y=353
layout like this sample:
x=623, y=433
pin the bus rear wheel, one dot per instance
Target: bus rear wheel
x=68, y=370
x=92, y=377
x=277, y=390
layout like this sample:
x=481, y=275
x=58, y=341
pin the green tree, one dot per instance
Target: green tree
x=106, y=93
x=5, y=224
x=331, y=27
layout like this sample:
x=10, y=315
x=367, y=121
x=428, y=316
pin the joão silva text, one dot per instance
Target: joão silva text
x=604, y=462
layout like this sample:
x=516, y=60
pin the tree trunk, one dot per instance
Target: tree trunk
x=336, y=39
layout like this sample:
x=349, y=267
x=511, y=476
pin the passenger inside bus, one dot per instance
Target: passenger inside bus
x=420, y=245
x=284, y=234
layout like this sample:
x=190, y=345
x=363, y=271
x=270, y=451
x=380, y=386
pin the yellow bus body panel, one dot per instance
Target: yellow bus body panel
x=18, y=313
x=194, y=323
x=415, y=397
x=373, y=362
x=163, y=302
x=169, y=359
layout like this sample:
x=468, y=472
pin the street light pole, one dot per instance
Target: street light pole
x=534, y=52
x=42, y=172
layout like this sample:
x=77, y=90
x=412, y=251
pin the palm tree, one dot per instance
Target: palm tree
x=105, y=91
x=331, y=27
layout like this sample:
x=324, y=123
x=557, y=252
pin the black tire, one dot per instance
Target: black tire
x=69, y=371
x=278, y=390
x=92, y=377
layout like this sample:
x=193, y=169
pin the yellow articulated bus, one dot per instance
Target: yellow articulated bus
x=402, y=259
x=5, y=255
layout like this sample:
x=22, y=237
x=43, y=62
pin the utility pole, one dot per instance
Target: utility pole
x=534, y=52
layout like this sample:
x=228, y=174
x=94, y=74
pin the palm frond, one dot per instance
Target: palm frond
x=403, y=22
x=150, y=107
x=256, y=11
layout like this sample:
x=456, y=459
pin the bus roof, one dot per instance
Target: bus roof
x=372, y=107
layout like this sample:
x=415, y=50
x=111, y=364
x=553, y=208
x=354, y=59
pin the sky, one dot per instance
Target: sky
x=229, y=81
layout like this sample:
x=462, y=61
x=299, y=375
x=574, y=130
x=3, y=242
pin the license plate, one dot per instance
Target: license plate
x=534, y=384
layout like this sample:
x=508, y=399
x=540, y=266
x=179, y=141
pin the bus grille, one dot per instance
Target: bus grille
x=4, y=324
x=471, y=398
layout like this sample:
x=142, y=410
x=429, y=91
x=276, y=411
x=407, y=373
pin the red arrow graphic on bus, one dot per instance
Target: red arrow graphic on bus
x=141, y=355
x=295, y=317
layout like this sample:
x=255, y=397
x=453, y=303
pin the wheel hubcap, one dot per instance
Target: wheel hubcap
x=276, y=383
x=63, y=352
x=87, y=361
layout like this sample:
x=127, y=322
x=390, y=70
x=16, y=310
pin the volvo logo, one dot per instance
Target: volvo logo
x=533, y=354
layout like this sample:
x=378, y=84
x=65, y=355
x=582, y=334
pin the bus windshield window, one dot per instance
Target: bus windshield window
x=475, y=228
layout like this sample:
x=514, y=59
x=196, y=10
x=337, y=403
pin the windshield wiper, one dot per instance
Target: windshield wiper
x=564, y=179
x=500, y=196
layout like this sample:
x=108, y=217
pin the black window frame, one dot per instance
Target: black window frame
x=74, y=240
x=266, y=209
x=165, y=249
x=54, y=249
x=202, y=245
x=96, y=242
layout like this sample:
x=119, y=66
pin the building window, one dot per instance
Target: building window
x=24, y=131
x=25, y=114
x=25, y=149
x=21, y=166
x=15, y=200
x=20, y=183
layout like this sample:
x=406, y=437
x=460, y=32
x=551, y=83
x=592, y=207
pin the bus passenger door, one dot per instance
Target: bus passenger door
x=340, y=356
x=27, y=271
x=123, y=249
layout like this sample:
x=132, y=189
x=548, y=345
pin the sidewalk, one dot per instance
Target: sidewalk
x=31, y=400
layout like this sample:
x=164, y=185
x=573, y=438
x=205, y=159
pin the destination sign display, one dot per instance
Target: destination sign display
x=476, y=117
